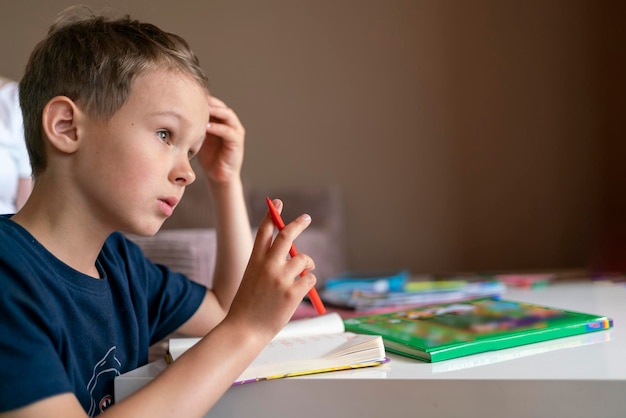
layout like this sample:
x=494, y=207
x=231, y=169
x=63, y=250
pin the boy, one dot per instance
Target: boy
x=113, y=111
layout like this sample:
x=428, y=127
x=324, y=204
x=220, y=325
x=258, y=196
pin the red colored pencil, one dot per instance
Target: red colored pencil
x=278, y=222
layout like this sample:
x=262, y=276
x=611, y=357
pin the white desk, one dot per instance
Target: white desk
x=581, y=376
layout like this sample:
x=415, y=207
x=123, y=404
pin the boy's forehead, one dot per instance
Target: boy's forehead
x=167, y=82
x=169, y=91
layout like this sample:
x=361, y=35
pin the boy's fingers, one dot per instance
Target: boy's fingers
x=300, y=263
x=285, y=238
x=263, y=239
x=265, y=232
x=220, y=112
x=265, y=248
x=304, y=284
x=309, y=263
x=278, y=204
x=214, y=101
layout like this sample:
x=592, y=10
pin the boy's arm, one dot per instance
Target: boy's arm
x=234, y=246
x=221, y=158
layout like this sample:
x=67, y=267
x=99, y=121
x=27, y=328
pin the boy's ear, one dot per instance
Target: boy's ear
x=59, y=120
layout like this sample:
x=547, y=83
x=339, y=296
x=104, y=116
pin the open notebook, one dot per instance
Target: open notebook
x=305, y=346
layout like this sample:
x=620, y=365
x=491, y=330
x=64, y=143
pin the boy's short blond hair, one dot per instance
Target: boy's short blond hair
x=93, y=60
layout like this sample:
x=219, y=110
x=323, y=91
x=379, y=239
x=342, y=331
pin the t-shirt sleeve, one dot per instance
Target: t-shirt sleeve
x=171, y=298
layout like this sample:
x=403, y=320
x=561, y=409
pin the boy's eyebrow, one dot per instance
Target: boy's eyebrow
x=173, y=113
x=179, y=116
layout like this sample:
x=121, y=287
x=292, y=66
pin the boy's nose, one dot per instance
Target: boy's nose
x=183, y=172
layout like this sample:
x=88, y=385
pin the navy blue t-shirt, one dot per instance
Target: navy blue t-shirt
x=62, y=331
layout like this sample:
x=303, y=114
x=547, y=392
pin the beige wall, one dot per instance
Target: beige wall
x=465, y=135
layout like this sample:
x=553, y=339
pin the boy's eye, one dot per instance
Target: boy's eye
x=164, y=135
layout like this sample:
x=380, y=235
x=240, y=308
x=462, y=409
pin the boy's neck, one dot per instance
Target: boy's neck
x=63, y=230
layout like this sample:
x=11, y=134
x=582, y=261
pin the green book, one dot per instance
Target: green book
x=450, y=330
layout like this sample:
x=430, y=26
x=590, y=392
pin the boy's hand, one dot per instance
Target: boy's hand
x=271, y=289
x=221, y=155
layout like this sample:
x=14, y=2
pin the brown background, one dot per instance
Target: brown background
x=463, y=135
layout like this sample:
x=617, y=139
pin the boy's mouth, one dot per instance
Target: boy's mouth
x=167, y=205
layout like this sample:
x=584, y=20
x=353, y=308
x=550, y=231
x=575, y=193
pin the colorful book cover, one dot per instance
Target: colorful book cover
x=445, y=331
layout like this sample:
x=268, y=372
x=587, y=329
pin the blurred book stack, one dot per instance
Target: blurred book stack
x=397, y=289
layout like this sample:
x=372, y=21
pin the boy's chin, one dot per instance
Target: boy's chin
x=145, y=230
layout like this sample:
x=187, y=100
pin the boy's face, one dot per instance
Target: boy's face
x=134, y=167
